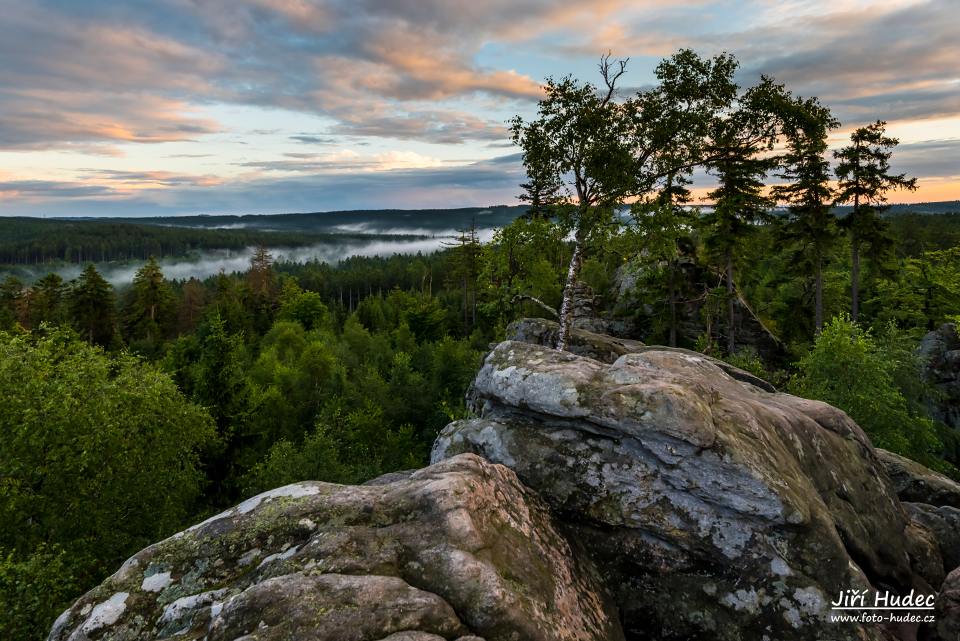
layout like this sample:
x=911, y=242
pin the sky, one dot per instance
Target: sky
x=165, y=107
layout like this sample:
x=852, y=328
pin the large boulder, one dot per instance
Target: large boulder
x=918, y=484
x=458, y=550
x=717, y=509
x=607, y=349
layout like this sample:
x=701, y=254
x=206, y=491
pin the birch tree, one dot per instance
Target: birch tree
x=601, y=149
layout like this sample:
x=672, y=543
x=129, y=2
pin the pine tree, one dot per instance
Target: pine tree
x=91, y=303
x=263, y=287
x=47, y=300
x=149, y=314
x=864, y=178
x=739, y=203
x=812, y=224
x=665, y=224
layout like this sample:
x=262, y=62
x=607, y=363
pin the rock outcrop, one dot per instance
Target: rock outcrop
x=621, y=493
x=940, y=353
x=918, y=484
x=944, y=523
x=582, y=341
x=458, y=550
x=719, y=510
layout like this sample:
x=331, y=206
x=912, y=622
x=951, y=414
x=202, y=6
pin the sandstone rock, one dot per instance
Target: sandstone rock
x=940, y=353
x=916, y=483
x=607, y=349
x=539, y=331
x=718, y=509
x=948, y=608
x=456, y=550
x=944, y=522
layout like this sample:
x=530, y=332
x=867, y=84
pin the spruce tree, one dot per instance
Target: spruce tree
x=864, y=178
x=149, y=313
x=811, y=225
x=91, y=304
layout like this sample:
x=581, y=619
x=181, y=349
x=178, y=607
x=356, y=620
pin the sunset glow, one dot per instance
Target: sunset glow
x=255, y=106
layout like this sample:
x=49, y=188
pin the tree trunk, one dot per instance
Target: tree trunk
x=673, y=303
x=855, y=249
x=818, y=297
x=854, y=272
x=731, y=308
x=566, y=307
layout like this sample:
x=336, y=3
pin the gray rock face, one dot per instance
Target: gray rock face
x=944, y=522
x=915, y=483
x=459, y=550
x=607, y=349
x=718, y=510
x=948, y=609
x=940, y=352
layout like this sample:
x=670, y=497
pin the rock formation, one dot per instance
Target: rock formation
x=622, y=492
x=718, y=509
x=914, y=482
x=940, y=352
x=458, y=550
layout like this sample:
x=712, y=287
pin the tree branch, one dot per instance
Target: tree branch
x=521, y=297
x=611, y=74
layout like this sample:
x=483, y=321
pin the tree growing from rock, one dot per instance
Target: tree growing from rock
x=600, y=150
x=864, y=178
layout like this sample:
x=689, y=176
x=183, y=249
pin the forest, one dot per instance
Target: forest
x=33, y=241
x=131, y=412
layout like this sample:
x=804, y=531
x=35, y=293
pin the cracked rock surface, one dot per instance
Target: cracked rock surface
x=715, y=508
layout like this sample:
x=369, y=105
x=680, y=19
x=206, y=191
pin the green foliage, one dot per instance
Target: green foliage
x=850, y=368
x=34, y=590
x=525, y=259
x=812, y=226
x=91, y=301
x=99, y=456
x=305, y=307
x=149, y=309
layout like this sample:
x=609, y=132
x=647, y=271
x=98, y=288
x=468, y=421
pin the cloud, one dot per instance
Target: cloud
x=49, y=190
x=135, y=72
x=896, y=62
x=313, y=140
x=308, y=188
x=930, y=158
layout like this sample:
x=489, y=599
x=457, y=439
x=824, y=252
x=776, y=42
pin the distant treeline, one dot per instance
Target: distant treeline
x=916, y=233
x=32, y=241
x=371, y=221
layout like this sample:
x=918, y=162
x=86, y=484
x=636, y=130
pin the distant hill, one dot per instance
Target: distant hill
x=942, y=207
x=380, y=221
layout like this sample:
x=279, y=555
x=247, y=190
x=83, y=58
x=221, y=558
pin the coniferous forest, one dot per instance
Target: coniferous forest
x=132, y=410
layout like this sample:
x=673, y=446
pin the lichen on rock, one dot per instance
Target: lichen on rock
x=460, y=549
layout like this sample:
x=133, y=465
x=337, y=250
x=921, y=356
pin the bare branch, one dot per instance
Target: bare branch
x=611, y=70
x=521, y=297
